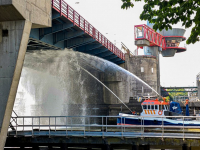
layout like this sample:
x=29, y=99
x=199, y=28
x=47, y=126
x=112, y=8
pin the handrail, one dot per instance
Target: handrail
x=86, y=126
x=151, y=35
x=67, y=11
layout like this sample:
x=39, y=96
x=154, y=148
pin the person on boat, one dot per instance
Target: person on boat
x=187, y=108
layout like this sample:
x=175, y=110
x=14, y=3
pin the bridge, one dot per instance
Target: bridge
x=53, y=24
x=167, y=41
x=44, y=24
x=70, y=30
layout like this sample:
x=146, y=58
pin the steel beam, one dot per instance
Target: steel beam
x=115, y=59
x=120, y=62
x=97, y=51
x=62, y=36
x=54, y=29
x=88, y=47
x=105, y=54
x=111, y=57
x=55, y=14
x=73, y=43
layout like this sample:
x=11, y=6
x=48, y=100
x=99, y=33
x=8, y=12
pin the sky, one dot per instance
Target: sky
x=118, y=26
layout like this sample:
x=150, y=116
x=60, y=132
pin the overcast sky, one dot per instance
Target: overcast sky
x=118, y=26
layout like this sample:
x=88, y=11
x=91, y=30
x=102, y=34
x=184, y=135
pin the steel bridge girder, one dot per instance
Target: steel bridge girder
x=98, y=51
x=88, y=47
x=73, y=43
x=111, y=57
x=105, y=54
x=62, y=36
x=54, y=29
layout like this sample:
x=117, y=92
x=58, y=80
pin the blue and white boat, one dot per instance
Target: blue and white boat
x=155, y=112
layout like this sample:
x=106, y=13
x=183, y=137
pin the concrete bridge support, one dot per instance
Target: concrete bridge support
x=12, y=53
x=19, y=16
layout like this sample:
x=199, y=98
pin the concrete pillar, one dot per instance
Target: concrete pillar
x=12, y=53
x=155, y=51
x=19, y=16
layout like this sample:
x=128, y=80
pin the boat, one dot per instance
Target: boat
x=156, y=112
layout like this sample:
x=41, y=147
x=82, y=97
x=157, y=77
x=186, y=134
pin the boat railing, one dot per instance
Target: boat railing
x=102, y=126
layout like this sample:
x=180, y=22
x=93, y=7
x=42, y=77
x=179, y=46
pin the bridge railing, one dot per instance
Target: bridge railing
x=67, y=11
x=145, y=32
x=102, y=126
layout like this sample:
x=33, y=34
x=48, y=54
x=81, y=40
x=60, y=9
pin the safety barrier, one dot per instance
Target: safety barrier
x=143, y=31
x=99, y=126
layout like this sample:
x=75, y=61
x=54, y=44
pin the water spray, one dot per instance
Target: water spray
x=105, y=87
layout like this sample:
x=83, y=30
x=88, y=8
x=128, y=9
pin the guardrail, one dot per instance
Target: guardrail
x=67, y=11
x=98, y=126
x=143, y=31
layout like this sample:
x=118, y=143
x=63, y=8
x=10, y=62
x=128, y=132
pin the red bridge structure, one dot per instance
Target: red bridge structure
x=168, y=41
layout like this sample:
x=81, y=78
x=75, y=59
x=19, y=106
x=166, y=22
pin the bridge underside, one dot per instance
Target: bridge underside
x=65, y=34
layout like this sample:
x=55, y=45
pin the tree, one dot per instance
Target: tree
x=165, y=13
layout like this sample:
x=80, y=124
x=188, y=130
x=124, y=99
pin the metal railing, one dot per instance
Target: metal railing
x=67, y=11
x=101, y=126
x=145, y=32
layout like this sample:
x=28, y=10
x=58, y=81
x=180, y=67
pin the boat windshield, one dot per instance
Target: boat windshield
x=155, y=107
x=144, y=106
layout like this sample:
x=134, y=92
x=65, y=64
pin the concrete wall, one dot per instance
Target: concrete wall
x=146, y=68
x=16, y=20
x=12, y=52
x=36, y=11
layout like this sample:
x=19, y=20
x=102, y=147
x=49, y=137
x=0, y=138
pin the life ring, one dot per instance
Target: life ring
x=160, y=112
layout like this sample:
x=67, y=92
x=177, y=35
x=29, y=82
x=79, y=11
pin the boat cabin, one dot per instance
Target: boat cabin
x=154, y=107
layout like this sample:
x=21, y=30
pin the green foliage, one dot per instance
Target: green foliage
x=179, y=93
x=167, y=99
x=165, y=13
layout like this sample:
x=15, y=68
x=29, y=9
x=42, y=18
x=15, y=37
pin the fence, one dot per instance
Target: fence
x=145, y=32
x=101, y=126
